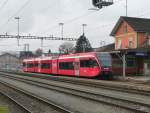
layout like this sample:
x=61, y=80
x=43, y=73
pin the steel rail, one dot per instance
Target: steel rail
x=26, y=109
x=93, y=83
x=91, y=96
x=55, y=106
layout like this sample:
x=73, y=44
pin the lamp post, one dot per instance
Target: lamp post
x=18, y=18
x=83, y=27
x=102, y=43
x=62, y=28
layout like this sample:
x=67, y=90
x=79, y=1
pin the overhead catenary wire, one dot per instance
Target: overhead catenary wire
x=75, y=19
x=3, y=5
x=17, y=12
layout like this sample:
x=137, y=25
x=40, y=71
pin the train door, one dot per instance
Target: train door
x=39, y=66
x=55, y=66
x=76, y=67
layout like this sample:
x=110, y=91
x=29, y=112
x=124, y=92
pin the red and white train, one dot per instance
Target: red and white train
x=92, y=64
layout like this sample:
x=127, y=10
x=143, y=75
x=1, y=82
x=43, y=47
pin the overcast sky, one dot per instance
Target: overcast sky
x=41, y=18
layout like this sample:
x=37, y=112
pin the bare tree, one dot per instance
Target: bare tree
x=66, y=47
x=38, y=52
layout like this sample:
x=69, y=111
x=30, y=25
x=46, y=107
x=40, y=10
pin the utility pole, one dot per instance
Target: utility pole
x=42, y=44
x=83, y=26
x=62, y=29
x=26, y=47
x=126, y=7
x=124, y=54
x=17, y=18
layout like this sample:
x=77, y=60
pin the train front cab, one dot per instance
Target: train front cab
x=88, y=66
x=30, y=65
x=79, y=65
x=24, y=66
x=105, y=63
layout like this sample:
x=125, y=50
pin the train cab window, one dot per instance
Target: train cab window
x=88, y=63
x=66, y=65
x=94, y=63
x=45, y=65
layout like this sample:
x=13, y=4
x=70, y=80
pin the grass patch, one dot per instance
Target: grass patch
x=4, y=109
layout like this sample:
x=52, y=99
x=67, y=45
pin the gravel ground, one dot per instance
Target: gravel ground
x=79, y=105
x=33, y=105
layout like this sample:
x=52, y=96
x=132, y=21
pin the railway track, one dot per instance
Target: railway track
x=23, y=109
x=54, y=108
x=91, y=93
x=129, y=87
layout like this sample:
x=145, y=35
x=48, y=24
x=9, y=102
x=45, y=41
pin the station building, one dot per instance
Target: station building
x=132, y=37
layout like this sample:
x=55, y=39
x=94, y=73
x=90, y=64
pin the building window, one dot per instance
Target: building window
x=66, y=66
x=119, y=43
x=125, y=28
x=130, y=42
x=131, y=61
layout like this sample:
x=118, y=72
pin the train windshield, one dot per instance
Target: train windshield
x=104, y=59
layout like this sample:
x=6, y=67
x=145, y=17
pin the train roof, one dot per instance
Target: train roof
x=37, y=59
x=77, y=55
x=28, y=60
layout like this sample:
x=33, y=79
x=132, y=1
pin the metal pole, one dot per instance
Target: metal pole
x=83, y=26
x=124, y=65
x=26, y=47
x=62, y=29
x=18, y=28
x=126, y=7
x=42, y=44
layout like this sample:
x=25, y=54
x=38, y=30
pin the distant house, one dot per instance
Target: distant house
x=9, y=62
x=131, y=33
x=106, y=48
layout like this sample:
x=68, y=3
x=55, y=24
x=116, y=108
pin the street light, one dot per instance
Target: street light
x=61, y=24
x=102, y=43
x=17, y=18
x=94, y=9
x=83, y=26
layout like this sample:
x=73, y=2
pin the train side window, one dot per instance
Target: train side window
x=45, y=65
x=30, y=65
x=66, y=66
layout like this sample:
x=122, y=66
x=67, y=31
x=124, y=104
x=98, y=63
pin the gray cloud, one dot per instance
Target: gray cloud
x=41, y=17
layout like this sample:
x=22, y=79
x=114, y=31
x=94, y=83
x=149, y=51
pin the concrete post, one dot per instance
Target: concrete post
x=124, y=65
